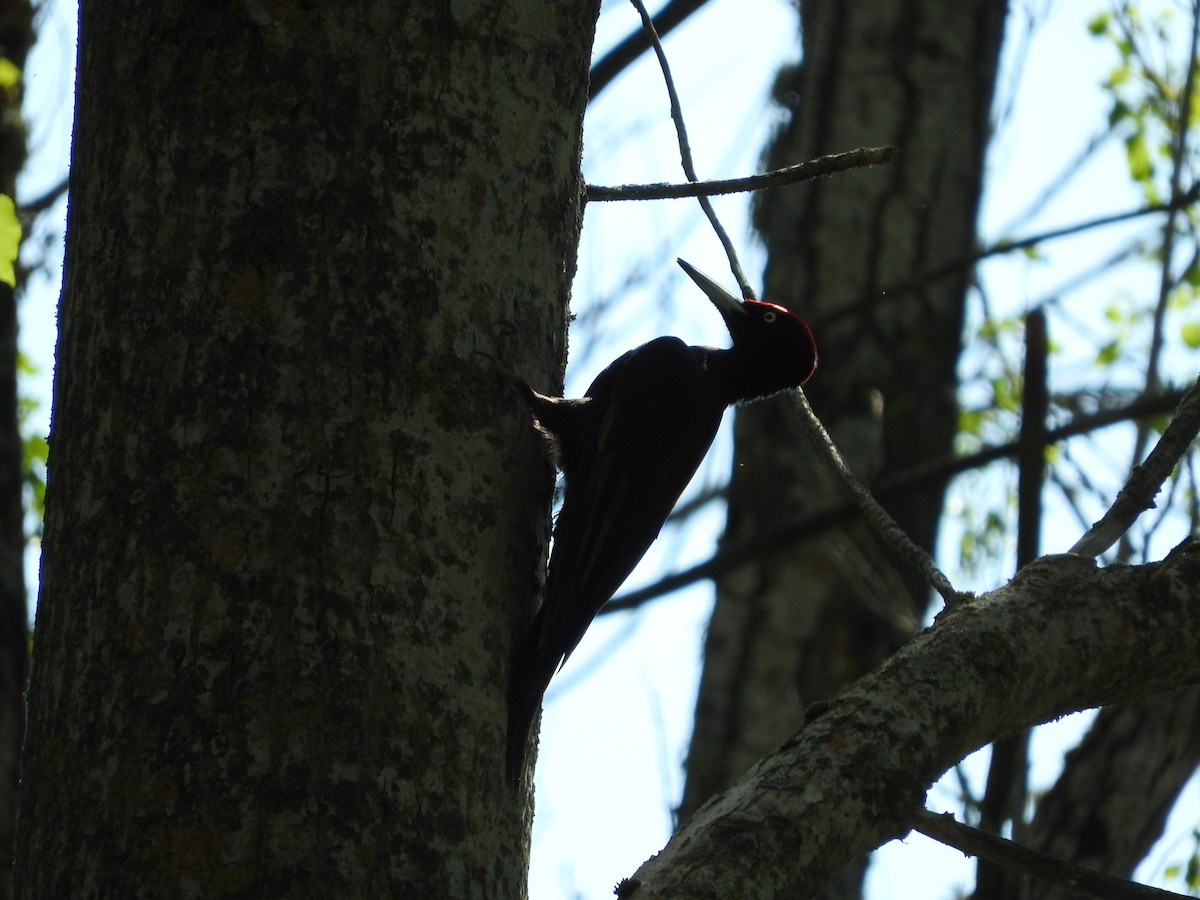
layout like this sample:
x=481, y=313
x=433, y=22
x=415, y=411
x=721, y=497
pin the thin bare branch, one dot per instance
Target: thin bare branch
x=620, y=57
x=806, y=171
x=45, y=201
x=894, y=485
x=1146, y=479
x=1031, y=862
x=1166, y=277
x=910, y=287
x=685, y=153
x=1175, y=204
x=1007, y=787
x=878, y=518
x=1031, y=459
x=1053, y=189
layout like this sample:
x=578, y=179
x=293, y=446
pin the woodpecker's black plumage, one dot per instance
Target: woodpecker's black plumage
x=627, y=449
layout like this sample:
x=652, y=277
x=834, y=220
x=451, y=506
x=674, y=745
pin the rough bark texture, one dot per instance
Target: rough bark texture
x=294, y=517
x=1062, y=636
x=800, y=625
x=16, y=37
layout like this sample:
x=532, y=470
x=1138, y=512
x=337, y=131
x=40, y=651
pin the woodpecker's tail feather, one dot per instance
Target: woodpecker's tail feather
x=527, y=681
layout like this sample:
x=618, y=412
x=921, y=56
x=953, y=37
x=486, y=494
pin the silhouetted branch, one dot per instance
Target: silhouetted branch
x=1004, y=246
x=886, y=488
x=685, y=154
x=1166, y=280
x=620, y=57
x=806, y=171
x=1007, y=246
x=44, y=202
x=1035, y=863
x=877, y=517
x=1006, y=791
x=1146, y=479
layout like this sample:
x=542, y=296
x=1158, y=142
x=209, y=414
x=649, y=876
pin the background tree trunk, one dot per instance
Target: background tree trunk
x=849, y=254
x=1111, y=802
x=295, y=513
x=16, y=38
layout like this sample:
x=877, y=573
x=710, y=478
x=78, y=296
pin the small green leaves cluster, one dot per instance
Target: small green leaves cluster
x=35, y=447
x=34, y=456
x=1188, y=871
x=10, y=235
x=1145, y=87
x=990, y=413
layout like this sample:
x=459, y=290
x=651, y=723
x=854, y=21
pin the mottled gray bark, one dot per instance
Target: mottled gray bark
x=295, y=512
x=849, y=253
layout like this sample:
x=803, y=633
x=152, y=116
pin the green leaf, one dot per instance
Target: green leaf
x=1120, y=111
x=10, y=75
x=1005, y=395
x=970, y=421
x=36, y=452
x=10, y=239
x=1138, y=156
x=1108, y=353
x=37, y=448
x=1191, y=334
x=1182, y=295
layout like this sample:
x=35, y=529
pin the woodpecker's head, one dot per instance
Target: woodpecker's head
x=775, y=347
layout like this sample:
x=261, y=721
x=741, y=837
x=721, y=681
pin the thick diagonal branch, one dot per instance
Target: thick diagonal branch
x=1062, y=636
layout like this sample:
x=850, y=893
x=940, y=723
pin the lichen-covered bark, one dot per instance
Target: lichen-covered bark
x=294, y=515
x=848, y=253
x=16, y=38
x=1062, y=636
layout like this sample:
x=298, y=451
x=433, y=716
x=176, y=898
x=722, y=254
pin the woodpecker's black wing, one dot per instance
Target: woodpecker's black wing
x=628, y=451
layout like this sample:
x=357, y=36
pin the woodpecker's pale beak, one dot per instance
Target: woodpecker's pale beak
x=725, y=302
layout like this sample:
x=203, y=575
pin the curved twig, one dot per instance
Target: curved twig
x=877, y=517
x=685, y=153
x=1146, y=479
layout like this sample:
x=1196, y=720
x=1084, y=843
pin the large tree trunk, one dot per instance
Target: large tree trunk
x=848, y=253
x=295, y=511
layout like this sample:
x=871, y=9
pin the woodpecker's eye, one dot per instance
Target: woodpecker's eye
x=769, y=316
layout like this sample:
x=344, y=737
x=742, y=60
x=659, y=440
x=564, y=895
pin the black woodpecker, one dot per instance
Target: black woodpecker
x=627, y=449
